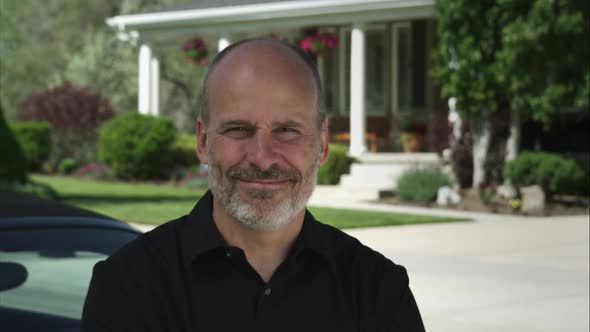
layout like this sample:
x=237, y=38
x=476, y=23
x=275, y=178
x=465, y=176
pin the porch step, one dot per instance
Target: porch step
x=377, y=172
x=325, y=195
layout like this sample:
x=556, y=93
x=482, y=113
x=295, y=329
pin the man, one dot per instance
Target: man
x=249, y=257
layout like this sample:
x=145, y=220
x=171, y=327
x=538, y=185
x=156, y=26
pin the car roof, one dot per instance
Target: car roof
x=19, y=209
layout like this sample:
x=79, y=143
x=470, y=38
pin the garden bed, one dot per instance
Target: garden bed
x=559, y=206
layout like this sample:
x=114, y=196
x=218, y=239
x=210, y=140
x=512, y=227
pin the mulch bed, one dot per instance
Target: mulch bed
x=558, y=206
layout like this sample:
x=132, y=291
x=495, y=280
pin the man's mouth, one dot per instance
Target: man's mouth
x=272, y=178
x=264, y=183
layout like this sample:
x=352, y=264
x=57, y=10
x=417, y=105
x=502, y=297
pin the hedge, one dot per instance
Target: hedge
x=554, y=173
x=35, y=139
x=137, y=146
x=13, y=162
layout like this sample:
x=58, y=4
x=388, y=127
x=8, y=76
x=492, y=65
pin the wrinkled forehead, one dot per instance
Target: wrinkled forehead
x=261, y=69
x=265, y=56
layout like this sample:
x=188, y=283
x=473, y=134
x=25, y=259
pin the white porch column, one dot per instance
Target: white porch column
x=343, y=40
x=154, y=86
x=320, y=66
x=143, y=95
x=223, y=42
x=357, y=91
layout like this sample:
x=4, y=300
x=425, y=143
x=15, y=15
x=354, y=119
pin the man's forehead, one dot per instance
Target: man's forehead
x=262, y=59
x=262, y=80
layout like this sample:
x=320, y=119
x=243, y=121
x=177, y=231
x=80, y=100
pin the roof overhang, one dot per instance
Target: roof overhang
x=268, y=15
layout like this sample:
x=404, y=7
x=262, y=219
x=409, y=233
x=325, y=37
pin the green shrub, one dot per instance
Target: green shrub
x=12, y=158
x=555, y=174
x=137, y=146
x=421, y=184
x=35, y=138
x=184, y=150
x=67, y=166
x=338, y=163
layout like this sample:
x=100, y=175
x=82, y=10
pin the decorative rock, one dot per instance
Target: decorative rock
x=447, y=154
x=533, y=200
x=446, y=196
x=506, y=191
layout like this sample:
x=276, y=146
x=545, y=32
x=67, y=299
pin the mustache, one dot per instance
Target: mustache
x=254, y=173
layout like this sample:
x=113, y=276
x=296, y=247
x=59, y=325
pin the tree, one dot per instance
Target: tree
x=37, y=42
x=526, y=57
x=108, y=66
x=468, y=39
x=42, y=46
x=545, y=56
x=75, y=115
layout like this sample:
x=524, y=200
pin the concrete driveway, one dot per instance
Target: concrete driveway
x=498, y=273
x=494, y=274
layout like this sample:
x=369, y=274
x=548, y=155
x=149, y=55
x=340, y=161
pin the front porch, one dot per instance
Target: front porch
x=375, y=81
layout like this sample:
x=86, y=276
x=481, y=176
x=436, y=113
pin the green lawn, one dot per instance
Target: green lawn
x=154, y=204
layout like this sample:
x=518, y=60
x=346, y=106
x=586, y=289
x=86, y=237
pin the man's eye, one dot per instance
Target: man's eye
x=287, y=133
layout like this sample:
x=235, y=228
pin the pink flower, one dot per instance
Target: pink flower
x=319, y=43
x=306, y=44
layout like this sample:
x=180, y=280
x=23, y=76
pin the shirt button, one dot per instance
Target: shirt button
x=227, y=253
x=267, y=292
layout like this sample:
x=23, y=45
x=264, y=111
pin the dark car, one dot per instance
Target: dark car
x=47, y=252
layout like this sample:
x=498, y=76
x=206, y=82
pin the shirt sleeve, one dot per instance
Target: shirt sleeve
x=397, y=310
x=408, y=316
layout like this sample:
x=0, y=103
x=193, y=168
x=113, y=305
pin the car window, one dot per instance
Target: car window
x=57, y=270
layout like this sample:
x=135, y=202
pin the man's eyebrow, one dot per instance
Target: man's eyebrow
x=232, y=123
x=288, y=123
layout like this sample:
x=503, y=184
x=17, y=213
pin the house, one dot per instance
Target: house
x=375, y=79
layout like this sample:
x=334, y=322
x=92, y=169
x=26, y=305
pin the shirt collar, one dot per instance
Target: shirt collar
x=314, y=237
x=200, y=234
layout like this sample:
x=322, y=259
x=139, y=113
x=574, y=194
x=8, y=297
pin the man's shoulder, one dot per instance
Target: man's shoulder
x=352, y=255
x=375, y=284
x=152, y=247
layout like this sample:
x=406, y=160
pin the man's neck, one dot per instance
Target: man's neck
x=264, y=250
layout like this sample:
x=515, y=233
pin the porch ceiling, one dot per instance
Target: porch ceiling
x=163, y=27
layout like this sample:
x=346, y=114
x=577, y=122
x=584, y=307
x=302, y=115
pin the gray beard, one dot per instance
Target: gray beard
x=260, y=212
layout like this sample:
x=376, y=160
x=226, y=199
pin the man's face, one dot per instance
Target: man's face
x=262, y=142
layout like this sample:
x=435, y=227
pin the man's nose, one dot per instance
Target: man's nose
x=262, y=150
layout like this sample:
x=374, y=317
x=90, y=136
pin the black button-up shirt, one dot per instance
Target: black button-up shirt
x=182, y=276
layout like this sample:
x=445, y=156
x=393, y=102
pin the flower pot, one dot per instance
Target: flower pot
x=412, y=142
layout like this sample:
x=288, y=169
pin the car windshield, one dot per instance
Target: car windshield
x=50, y=270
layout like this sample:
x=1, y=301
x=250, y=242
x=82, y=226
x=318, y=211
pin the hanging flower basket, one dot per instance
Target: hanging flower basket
x=319, y=44
x=195, y=51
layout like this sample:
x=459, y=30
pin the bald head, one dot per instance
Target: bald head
x=260, y=62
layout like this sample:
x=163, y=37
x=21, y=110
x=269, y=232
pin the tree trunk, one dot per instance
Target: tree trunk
x=507, y=190
x=481, y=131
x=513, y=141
x=456, y=123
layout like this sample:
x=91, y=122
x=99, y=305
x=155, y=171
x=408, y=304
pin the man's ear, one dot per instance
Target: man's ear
x=202, y=141
x=325, y=147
